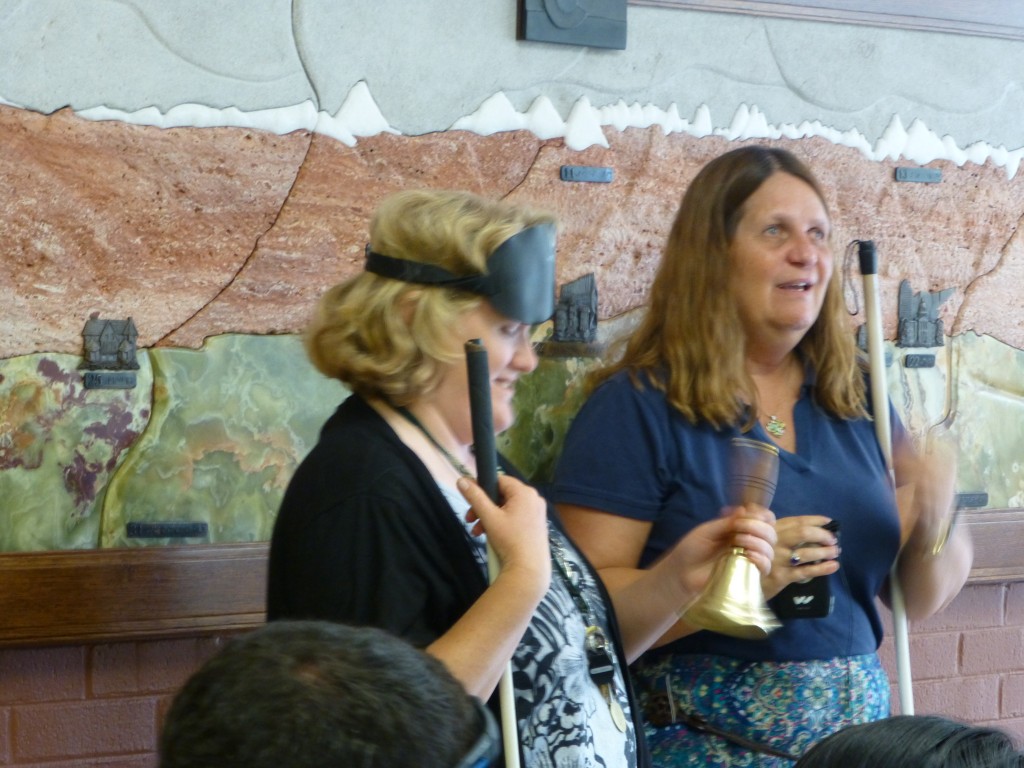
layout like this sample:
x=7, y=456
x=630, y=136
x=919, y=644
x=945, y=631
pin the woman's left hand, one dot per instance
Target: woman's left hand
x=805, y=550
x=927, y=518
x=935, y=560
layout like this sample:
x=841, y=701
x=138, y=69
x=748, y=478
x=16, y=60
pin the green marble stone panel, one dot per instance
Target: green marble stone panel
x=214, y=435
x=230, y=424
x=59, y=445
x=981, y=414
x=989, y=420
x=546, y=402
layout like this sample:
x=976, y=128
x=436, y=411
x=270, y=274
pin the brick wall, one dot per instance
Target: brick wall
x=968, y=661
x=91, y=706
x=98, y=706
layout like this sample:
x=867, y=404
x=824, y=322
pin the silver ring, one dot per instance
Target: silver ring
x=794, y=558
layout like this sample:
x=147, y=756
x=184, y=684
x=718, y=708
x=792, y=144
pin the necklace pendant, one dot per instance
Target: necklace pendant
x=615, y=709
x=775, y=427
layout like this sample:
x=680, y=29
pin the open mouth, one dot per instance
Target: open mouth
x=797, y=285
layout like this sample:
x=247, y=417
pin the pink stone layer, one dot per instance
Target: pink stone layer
x=195, y=232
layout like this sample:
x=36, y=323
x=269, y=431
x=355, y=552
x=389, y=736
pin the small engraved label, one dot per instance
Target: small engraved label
x=109, y=379
x=586, y=173
x=179, y=529
x=971, y=500
x=925, y=175
x=919, y=361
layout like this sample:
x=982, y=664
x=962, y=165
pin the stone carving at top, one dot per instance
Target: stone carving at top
x=576, y=311
x=109, y=344
x=919, y=322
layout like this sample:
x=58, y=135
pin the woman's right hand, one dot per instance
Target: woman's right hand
x=517, y=531
x=477, y=648
x=695, y=554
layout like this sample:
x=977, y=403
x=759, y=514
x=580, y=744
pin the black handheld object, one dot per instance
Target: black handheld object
x=810, y=599
x=868, y=257
x=483, y=421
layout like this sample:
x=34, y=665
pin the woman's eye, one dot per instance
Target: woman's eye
x=772, y=229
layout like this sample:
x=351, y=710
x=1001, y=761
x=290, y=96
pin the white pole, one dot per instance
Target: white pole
x=506, y=693
x=880, y=406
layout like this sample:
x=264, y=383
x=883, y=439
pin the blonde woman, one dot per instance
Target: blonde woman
x=381, y=525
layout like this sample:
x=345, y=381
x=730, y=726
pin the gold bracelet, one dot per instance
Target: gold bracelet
x=944, y=535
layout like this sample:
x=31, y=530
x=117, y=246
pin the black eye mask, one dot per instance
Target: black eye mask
x=520, y=278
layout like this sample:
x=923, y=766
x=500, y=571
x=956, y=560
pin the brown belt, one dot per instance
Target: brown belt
x=661, y=711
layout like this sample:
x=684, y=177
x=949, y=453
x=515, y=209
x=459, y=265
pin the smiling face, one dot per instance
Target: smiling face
x=510, y=354
x=781, y=262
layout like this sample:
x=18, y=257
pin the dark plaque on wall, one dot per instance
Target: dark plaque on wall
x=576, y=312
x=597, y=23
x=919, y=321
x=108, y=353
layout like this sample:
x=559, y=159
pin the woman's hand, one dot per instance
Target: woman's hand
x=805, y=549
x=478, y=646
x=931, y=512
x=517, y=531
x=750, y=527
x=934, y=561
x=648, y=600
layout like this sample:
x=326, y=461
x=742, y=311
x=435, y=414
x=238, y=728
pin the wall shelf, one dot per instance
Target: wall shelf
x=99, y=596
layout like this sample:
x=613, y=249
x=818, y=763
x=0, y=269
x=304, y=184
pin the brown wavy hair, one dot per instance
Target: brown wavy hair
x=690, y=342
x=388, y=338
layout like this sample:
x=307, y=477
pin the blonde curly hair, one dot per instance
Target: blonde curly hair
x=392, y=339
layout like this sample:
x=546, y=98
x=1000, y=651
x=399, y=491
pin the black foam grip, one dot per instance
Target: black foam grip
x=868, y=257
x=483, y=421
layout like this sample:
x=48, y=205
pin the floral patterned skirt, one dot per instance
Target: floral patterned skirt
x=786, y=706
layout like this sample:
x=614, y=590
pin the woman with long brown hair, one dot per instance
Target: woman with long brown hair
x=745, y=335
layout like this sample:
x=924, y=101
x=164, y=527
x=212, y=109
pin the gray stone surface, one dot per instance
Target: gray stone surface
x=429, y=63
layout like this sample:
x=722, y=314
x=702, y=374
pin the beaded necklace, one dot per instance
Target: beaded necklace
x=457, y=465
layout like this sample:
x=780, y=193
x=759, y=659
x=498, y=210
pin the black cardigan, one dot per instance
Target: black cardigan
x=364, y=536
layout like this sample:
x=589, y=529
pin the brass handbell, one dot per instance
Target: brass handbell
x=732, y=602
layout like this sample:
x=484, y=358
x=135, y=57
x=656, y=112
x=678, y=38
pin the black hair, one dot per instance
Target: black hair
x=309, y=694
x=914, y=741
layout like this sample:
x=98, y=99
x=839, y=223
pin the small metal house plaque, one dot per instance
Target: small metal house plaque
x=109, y=345
x=919, y=322
x=576, y=311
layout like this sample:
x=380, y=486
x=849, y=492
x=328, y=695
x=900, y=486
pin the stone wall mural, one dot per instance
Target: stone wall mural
x=216, y=243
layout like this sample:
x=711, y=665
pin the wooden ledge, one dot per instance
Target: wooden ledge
x=98, y=596
x=997, y=536
x=104, y=595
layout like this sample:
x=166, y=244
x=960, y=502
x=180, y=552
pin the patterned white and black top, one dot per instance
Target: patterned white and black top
x=366, y=536
x=564, y=719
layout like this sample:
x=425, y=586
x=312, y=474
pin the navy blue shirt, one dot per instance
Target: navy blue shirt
x=630, y=453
